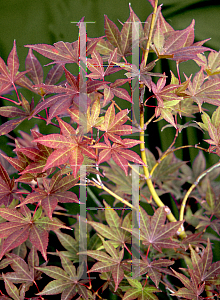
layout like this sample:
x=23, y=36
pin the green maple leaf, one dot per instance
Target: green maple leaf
x=90, y=119
x=211, y=64
x=113, y=124
x=111, y=262
x=203, y=271
x=137, y=291
x=67, y=280
x=154, y=232
x=166, y=99
x=113, y=230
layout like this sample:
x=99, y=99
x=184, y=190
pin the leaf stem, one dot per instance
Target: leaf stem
x=150, y=32
x=171, y=151
x=156, y=198
x=15, y=102
x=101, y=186
x=193, y=186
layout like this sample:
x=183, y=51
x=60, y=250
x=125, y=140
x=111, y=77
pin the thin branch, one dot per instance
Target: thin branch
x=193, y=186
x=102, y=186
x=152, y=190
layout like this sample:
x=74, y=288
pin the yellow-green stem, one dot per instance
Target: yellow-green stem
x=171, y=151
x=193, y=186
x=156, y=198
x=101, y=186
x=150, y=32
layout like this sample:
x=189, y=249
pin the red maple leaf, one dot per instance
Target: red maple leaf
x=9, y=74
x=22, y=225
x=112, y=124
x=70, y=146
x=54, y=191
x=119, y=152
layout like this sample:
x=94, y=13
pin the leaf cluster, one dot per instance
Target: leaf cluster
x=131, y=251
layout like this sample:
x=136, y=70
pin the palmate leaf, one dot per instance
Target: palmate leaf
x=66, y=94
x=21, y=226
x=119, y=153
x=35, y=73
x=203, y=270
x=30, y=160
x=203, y=267
x=70, y=146
x=211, y=203
x=87, y=121
x=192, y=288
x=9, y=74
x=114, y=90
x=111, y=262
x=137, y=291
x=24, y=273
x=154, y=269
x=211, y=64
x=177, y=45
x=154, y=232
x=53, y=193
x=67, y=280
x=203, y=89
x=120, y=40
x=113, y=230
x=113, y=124
x=166, y=99
x=122, y=184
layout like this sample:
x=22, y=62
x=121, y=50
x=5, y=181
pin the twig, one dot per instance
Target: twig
x=193, y=186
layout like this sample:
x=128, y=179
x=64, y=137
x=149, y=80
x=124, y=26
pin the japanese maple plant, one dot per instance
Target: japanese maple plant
x=122, y=243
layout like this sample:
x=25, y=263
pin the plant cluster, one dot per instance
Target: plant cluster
x=135, y=247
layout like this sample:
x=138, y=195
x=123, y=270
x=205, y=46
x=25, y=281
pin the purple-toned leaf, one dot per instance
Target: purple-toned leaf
x=10, y=125
x=39, y=238
x=14, y=240
x=13, y=62
x=12, y=111
x=112, y=33
x=54, y=74
x=12, y=215
x=11, y=289
x=61, y=52
x=35, y=72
